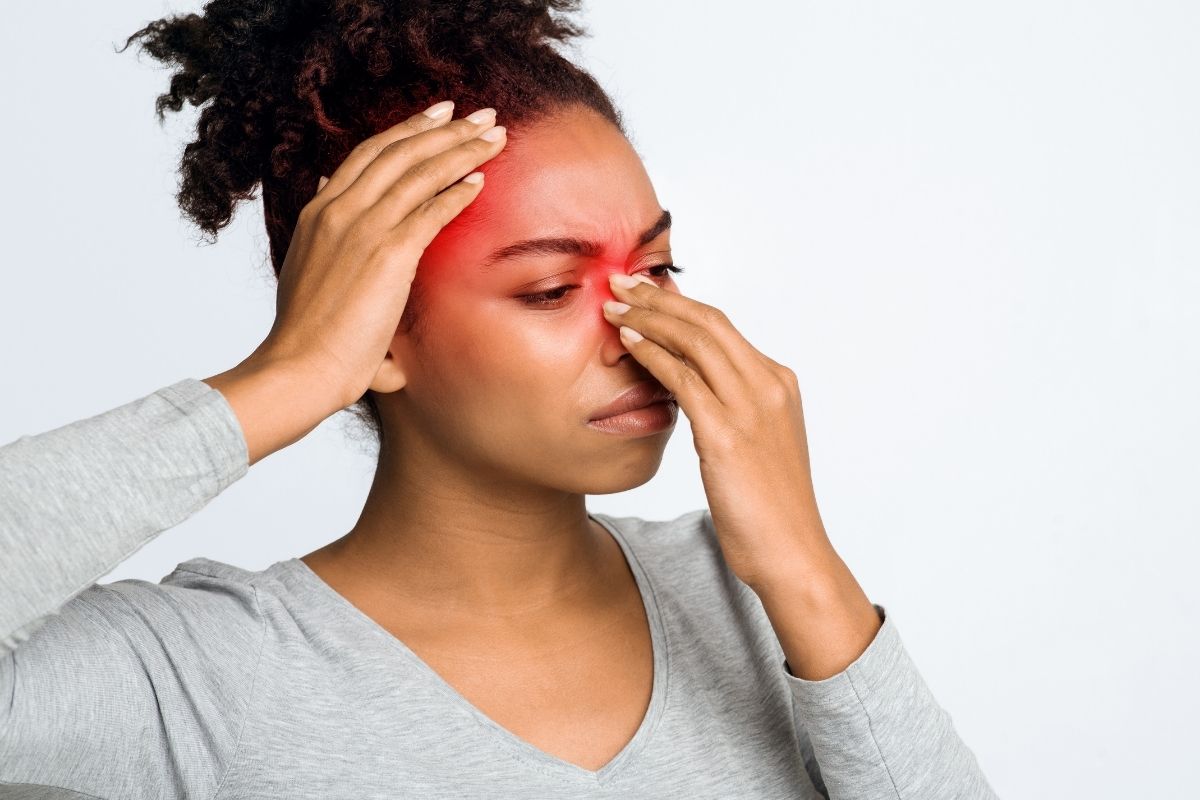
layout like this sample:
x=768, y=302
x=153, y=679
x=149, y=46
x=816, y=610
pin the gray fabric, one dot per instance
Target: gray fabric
x=220, y=682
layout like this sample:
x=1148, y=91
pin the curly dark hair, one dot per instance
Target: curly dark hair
x=293, y=85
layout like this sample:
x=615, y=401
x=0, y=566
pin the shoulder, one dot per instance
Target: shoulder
x=201, y=601
x=165, y=670
x=199, y=629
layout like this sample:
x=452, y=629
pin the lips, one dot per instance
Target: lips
x=639, y=395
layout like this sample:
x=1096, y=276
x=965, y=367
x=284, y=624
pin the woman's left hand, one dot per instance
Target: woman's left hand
x=748, y=425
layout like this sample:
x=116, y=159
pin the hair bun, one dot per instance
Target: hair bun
x=290, y=85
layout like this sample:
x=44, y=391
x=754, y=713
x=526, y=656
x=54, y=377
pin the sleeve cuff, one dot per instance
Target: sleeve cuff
x=217, y=427
x=864, y=676
x=877, y=731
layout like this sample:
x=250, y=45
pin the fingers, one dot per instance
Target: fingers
x=424, y=181
x=689, y=386
x=366, y=150
x=421, y=166
x=424, y=223
x=415, y=168
x=699, y=336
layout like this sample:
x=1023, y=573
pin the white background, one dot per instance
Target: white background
x=972, y=231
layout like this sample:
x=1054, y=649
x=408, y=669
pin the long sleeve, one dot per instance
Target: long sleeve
x=876, y=730
x=129, y=689
x=78, y=500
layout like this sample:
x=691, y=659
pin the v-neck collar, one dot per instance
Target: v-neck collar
x=525, y=751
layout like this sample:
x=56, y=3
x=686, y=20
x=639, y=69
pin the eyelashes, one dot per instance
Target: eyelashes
x=551, y=297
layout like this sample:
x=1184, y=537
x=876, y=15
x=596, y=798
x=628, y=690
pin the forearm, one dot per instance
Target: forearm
x=77, y=500
x=821, y=616
x=876, y=729
x=275, y=403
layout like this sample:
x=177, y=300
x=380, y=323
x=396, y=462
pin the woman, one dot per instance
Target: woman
x=478, y=632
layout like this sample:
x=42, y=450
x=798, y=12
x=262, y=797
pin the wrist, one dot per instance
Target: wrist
x=807, y=556
x=276, y=403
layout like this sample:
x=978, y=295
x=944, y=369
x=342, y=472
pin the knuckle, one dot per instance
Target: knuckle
x=689, y=378
x=777, y=388
x=466, y=128
x=776, y=394
x=409, y=242
x=426, y=211
x=395, y=147
x=307, y=212
x=727, y=439
x=330, y=217
x=375, y=249
x=423, y=171
x=476, y=150
x=368, y=148
x=702, y=340
x=711, y=315
x=417, y=226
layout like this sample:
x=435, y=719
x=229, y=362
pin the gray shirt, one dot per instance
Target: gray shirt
x=222, y=682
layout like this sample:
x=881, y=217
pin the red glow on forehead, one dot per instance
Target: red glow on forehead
x=492, y=242
x=579, y=184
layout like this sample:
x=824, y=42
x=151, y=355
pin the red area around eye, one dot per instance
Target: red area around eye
x=466, y=241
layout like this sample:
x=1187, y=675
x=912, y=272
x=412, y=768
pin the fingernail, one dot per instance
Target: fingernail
x=439, y=110
x=630, y=334
x=482, y=115
x=615, y=307
x=628, y=281
x=494, y=134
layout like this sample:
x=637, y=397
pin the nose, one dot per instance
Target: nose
x=603, y=290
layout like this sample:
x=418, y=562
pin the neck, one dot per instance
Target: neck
x=458, y=541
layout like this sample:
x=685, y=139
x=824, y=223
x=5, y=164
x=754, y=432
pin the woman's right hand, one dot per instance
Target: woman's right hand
x=346, y=277
x=350, y=265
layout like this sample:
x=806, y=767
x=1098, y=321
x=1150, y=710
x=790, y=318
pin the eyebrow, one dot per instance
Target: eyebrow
x=568, y=245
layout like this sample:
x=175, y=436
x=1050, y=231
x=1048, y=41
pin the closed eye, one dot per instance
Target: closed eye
x=550, y=297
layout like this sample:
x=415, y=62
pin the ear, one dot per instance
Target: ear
x=397, y=367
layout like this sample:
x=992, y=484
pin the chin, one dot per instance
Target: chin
x=623, y=472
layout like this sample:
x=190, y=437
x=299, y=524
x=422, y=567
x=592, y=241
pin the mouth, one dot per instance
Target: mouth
x=654, y=418
x=638, y=396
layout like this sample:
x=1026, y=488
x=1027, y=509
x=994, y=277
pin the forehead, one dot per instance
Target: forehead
x=573, y=174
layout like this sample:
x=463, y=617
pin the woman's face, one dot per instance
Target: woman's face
x=515, y=355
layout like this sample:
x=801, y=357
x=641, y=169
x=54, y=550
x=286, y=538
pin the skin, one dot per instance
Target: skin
x=474, y=545
x=478, y=504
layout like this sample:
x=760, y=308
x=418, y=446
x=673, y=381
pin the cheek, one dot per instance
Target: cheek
x=553, y=354
x=497, y=356
x=484, y=331
x=513, y=365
